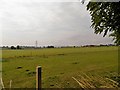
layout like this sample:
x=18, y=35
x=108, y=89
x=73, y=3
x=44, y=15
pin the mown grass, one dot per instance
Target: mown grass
x=59, y=66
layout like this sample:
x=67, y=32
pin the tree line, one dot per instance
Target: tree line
x=18, y=47
x=26, y=47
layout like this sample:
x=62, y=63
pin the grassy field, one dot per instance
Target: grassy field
x=61, y=67
x=0, y=67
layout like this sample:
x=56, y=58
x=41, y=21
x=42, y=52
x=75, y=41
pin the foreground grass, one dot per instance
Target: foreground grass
x=61, y=67
x=0, y=67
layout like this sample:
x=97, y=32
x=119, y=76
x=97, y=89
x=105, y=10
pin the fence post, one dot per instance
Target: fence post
x=38, y=78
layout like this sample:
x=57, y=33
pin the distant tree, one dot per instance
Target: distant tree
x=18, y=47
x=106, y=18
x=7, y=47
x=12, y=47
x=43, y=46
x=50, y=46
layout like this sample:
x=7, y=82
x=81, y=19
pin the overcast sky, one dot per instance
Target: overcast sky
x=22, y=22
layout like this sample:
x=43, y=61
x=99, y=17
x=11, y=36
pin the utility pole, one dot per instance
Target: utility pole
x=36, y=43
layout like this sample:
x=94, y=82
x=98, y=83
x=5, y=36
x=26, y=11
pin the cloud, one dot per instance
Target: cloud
x=24, y=21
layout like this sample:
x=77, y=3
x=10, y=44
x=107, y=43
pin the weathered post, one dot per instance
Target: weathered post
x=38, y=78
x=10, y=84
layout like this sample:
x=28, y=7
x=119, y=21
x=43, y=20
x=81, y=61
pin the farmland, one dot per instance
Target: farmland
x=61, y=67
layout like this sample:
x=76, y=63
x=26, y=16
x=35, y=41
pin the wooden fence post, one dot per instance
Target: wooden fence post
x=38, y=78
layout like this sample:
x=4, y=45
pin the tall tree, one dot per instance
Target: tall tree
x=105, y=18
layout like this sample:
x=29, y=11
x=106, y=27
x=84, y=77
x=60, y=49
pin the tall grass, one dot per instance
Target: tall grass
x=95, y=81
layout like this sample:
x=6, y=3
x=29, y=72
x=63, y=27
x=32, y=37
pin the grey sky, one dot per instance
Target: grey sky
x=50, y=23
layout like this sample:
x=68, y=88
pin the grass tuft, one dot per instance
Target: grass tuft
x=95, y=81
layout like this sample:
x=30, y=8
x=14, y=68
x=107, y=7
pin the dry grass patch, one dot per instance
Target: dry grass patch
x=95, y=81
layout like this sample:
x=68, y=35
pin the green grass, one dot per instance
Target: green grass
x=59, y=65
x=0, y=67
